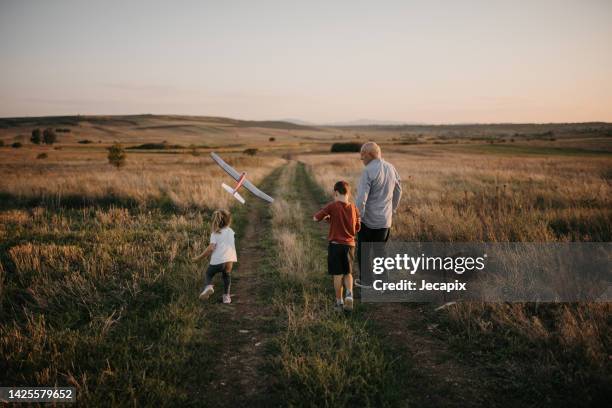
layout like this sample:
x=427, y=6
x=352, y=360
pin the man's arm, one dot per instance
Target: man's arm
x=397, y=190
x=362, y=192
x=357, y=220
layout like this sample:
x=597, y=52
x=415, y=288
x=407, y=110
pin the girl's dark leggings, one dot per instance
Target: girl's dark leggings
x=225, y=269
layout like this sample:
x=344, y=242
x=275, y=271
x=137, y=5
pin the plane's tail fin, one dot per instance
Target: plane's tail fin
x=233, y=193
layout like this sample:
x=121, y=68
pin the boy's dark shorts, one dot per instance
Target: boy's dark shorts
x=340, y=259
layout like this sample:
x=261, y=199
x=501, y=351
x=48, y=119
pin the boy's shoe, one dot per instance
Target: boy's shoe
x=208, y=290
x=227, y=299
x=348, y=302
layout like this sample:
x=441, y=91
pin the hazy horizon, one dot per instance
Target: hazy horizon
x=423, y=62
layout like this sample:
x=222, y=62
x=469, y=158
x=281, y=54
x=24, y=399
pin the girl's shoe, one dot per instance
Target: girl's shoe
x=339, y=307
x=227, y=299
x=208, y=290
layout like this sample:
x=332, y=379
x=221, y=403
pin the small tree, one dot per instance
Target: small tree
x=49, y=136
x=36, y=138
x=250, y=152
x=194, y=150
x=116, y=155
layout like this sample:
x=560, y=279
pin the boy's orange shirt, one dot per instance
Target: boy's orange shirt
x=344, y=221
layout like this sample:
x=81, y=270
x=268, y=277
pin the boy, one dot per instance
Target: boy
x=344, y=224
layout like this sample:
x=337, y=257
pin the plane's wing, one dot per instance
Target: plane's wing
x=228, y=169
x=236, y=176
x=251, y=187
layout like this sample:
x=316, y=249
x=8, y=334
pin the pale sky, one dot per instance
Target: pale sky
x=321, y=61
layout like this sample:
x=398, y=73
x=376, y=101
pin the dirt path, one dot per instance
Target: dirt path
x=437, y=377
x=245, y=328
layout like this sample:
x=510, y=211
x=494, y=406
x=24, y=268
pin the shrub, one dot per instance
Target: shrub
x=16, y=145
x=272, y=139
x=250, y=152
x=42, y=156
x=194, y=150
x=36, y=136
x=62, y=130
x=346, y=147
x=157, y=146
x=116, y=155
x=49, y=136
x=1, y=143
x=85, y=141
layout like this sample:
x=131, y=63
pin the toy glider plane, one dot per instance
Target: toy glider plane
x=242, y=182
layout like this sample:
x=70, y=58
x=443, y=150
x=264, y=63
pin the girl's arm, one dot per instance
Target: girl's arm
x=209, y=250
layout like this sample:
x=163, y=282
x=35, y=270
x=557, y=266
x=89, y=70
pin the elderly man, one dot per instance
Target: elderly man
x=378, y=196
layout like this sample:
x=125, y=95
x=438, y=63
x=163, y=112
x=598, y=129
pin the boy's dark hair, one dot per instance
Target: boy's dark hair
x=342, y=187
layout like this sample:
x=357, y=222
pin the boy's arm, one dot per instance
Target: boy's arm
x=322, y=214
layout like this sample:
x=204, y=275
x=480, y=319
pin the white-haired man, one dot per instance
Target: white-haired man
x=378, y=196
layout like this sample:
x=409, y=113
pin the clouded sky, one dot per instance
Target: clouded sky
x=415, y=61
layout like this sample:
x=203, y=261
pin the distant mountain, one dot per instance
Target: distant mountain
x=149, y=121
x=358, y=122
x=297, y=122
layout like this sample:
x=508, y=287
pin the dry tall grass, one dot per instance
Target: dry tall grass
x=76, y=178
x=288, y=230
x=460, y=197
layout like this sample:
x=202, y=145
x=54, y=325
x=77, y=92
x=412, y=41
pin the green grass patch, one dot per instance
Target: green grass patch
x=104, y=300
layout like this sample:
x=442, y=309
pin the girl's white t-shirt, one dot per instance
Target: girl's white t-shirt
x=225, y=249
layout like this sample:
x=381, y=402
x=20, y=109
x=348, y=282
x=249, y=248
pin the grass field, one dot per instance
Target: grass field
x=461, y=197
x=97, y=289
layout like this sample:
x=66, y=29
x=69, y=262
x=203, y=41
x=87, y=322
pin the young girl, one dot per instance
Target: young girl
x=223, y=254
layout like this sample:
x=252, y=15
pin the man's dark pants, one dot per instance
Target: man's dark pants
x=366, y=236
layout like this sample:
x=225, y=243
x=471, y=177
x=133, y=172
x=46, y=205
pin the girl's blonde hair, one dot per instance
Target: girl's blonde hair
x=220, y=219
